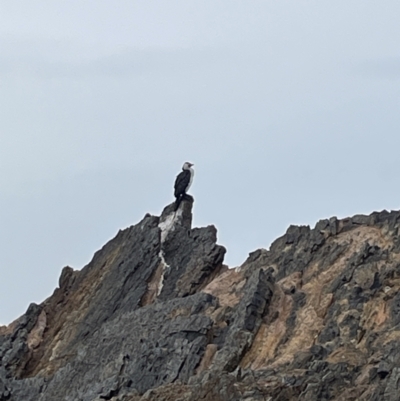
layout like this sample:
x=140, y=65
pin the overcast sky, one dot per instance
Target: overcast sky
x=289, y=110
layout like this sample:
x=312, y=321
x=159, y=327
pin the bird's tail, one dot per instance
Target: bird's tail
x=178, y=202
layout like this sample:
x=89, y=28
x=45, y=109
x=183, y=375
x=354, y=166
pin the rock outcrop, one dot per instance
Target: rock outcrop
x=157, y=316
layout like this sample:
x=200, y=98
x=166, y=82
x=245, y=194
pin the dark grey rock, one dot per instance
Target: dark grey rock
x=246, y=319
x=134, y=324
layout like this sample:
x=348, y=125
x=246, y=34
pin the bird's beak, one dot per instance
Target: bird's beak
x=191, y=164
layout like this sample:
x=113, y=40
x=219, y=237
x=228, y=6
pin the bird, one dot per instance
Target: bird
x=182, y=183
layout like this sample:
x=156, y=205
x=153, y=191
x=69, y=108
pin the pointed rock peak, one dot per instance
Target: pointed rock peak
x=171, y=219
x=183, y=216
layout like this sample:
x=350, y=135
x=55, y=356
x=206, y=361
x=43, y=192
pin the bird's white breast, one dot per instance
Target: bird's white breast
x=191, y=178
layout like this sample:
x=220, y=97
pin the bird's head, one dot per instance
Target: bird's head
x=187, y=165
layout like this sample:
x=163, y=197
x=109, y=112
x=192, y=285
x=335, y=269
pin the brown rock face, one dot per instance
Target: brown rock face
x=157, y=316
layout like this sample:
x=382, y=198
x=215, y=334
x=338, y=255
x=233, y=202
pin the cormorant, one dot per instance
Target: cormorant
x=182, y=183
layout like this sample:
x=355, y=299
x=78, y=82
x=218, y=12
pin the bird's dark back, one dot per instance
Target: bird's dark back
x=181, y=182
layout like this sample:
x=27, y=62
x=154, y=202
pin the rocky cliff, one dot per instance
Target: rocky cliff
x=157, y=316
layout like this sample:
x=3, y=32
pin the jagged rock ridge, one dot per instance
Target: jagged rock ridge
x=157, y=316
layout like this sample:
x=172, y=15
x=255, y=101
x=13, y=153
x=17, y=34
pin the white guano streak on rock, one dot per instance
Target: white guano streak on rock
x=168, y=224
x=166, y=227
x=165, y=266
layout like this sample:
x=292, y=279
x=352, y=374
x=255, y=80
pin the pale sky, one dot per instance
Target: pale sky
x=288, y=109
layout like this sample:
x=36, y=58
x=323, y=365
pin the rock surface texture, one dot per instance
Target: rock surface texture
x=157, y=316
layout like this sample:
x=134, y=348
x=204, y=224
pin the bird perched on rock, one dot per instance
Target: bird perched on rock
x=182, y=183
